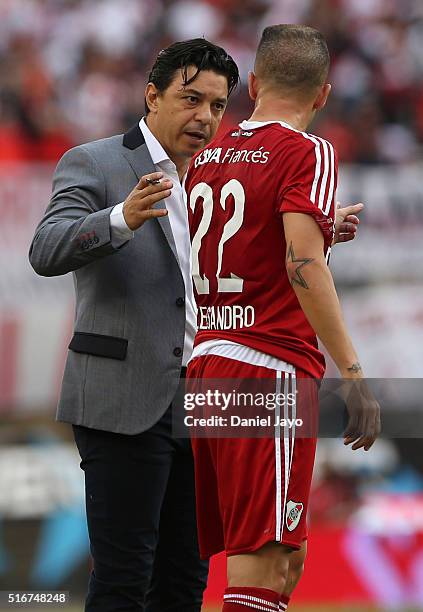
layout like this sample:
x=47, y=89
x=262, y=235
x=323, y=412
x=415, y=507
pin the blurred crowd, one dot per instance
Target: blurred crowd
x=347, y=485
x=75, y=70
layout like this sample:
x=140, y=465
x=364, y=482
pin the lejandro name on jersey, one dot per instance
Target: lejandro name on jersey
x=240, y=290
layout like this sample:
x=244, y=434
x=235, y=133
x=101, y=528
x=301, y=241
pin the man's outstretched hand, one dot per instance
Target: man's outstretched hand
x=346, y=222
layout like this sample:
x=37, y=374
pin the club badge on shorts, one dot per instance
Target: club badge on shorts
x=294, y=511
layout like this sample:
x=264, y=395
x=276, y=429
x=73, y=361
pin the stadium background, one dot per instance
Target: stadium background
x=73, y=71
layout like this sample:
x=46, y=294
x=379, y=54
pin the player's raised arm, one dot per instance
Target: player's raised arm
x=312, y=282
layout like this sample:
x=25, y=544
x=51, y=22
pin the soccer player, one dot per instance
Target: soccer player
x=261, y=206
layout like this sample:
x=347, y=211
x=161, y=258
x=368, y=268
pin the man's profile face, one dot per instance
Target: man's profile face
x=184, y=120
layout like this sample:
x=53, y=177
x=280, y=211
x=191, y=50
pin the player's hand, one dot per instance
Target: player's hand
x=364, y=415
x=346, y=222
x=138, y=206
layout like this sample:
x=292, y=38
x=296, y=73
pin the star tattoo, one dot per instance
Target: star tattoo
x=298, y=278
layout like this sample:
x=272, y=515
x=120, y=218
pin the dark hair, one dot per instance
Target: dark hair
x=197, y=52
x=293, y=57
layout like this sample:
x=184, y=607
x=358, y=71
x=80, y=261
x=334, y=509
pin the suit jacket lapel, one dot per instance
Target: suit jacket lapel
x=136, y=152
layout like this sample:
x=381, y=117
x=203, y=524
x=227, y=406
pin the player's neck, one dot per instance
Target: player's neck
x=269, y=110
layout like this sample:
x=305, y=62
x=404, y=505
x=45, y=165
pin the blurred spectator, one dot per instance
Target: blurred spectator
x=335, y=496
x=342, y=479
x=67, y=66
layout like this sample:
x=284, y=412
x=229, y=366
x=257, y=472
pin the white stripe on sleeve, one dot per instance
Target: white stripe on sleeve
x=332, y=180
x=318, y=169
x=326, y=165
x=324, y=172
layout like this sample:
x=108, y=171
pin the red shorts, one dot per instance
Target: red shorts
x=250, y=491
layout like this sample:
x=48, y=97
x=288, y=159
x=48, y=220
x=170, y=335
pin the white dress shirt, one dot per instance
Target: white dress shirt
x=178, y=218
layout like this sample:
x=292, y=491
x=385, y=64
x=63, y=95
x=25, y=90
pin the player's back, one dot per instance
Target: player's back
x=238, y=188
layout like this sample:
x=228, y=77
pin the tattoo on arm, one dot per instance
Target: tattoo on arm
x=296, y=276
x=356, y=367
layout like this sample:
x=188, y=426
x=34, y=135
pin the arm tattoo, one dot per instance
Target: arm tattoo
x=356, y=367
x=298, y=277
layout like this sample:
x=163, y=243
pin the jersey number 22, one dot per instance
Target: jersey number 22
x=234, y=284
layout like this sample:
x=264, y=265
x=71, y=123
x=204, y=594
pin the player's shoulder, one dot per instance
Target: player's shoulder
x=303, y=140
x=304, y=147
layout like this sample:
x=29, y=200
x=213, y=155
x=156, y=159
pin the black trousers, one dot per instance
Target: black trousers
x=140, y=503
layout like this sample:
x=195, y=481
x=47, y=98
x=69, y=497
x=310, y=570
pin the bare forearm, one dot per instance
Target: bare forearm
x=315, y=290
x=312, y=282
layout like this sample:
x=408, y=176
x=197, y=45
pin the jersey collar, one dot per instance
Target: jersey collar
x=253, y=125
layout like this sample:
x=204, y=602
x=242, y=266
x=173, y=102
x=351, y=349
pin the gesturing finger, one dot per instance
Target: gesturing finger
x=351, y=209
x=154, y=178
x=150, y=213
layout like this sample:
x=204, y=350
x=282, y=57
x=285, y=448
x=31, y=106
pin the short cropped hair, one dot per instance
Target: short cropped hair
x=197, y=52
x=292, y=57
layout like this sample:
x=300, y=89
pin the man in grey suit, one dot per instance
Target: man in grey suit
x=134, y=329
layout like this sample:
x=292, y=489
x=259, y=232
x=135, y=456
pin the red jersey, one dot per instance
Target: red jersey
x=237, y=189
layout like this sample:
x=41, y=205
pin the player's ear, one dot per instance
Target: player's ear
x=322, y=97
x=252, y=85
x=151, y=97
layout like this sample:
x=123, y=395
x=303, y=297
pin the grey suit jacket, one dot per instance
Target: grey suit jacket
x=124, y=361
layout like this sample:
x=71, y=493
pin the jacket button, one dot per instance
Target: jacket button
x=180, y=301
x=177, y=351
